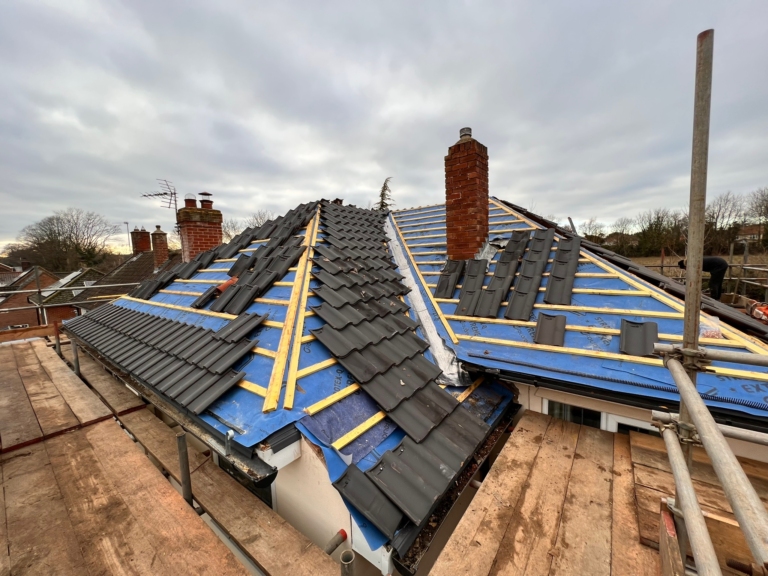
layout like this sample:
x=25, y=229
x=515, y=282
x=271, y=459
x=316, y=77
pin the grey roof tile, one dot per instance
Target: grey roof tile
x=550, y=330
x=638, y=338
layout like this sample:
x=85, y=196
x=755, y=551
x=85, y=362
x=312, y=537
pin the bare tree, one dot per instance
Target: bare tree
x=385, y=196
x=725, y=215
x=622, y=230
x=259, y=218
x=593, y=230
x=757, y=209
x=67, y=239
x=231, y=227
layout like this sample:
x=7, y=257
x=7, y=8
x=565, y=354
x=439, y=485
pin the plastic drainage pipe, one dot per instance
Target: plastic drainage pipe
x=335, y=542
x=347, y=563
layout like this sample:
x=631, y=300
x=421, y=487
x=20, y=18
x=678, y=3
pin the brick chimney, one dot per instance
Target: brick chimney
x=466, y=196
x=160, y=247
x=140, y=240
x=200, y=228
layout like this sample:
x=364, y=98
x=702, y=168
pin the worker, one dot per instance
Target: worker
x=717, y=267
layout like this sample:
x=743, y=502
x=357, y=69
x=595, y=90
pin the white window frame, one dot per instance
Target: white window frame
x=612, y=422
x=608, y=422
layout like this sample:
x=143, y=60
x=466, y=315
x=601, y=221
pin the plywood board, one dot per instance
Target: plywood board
x=113, y=541
x=178, y=534
x=53, y=413
x=18, y=423
x=628, y=555
x=113, y=392
x=40, y=535
x=85, y=405
x=532, y=532
x=587, y=509
x=264, y=536
x=474, y=543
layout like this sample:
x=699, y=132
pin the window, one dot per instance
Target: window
x=624, y=425
x=574, y=414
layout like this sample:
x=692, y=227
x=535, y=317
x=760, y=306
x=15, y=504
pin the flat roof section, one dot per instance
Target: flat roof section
x=559, y=499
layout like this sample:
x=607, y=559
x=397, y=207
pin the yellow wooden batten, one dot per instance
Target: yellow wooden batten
x=278, y=369
x=315, y=368
x=425, y=230
x=427, y=244
x=359, y=430
x=438, y=221
x=589, y=330
x=746, y=374
x=269, y=323
x=275, y=301
x=332, y=399
x=264, y=352
x=251, y=387
x=290, y=384
x=466, y=393
x=180, y=292
x=420, y=209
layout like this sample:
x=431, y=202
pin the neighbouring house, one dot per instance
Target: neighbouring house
x=150, y=256
x=27, y=280
x=59, y=304
x=750, y=233
x=8, y=273
x=355, y=368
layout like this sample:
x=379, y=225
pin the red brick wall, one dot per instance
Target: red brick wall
x=59, y=313
x=160, y=246
x=19, y=300
x=466, y=198
x=140, y=240
x=200, y=230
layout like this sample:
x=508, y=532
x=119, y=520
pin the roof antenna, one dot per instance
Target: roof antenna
x=167, y=193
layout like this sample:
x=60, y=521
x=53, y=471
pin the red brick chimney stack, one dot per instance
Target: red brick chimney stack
x=200, y=228
x=140, y=240
x=466, y=196
x=160, y=247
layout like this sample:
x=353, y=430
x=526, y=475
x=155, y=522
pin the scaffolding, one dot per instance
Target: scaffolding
x=695, y=424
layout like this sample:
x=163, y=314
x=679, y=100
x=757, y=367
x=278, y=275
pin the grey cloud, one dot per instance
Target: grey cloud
x=586, y=107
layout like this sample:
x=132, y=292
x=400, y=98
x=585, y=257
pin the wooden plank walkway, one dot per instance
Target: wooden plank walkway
x=266, y=538
x=89, y=502
x=559, y=499
x=114, y=393
x=40, y=397
x=654, y=481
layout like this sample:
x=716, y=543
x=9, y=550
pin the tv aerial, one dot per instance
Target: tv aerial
x=167, y=194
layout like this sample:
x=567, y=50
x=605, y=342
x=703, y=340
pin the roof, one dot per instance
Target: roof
x=134, y=270
x=25, y=279
x=76, y=279
x=320, y=330
x=599, y=297
x=317, y=331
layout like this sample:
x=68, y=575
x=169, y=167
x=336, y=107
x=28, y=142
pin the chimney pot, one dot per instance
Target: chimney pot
x=205, y=202
x=190, y=201
x=465, y=133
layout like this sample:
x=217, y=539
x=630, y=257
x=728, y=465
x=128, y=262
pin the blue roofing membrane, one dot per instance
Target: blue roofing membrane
x=603, y=295
x=319, y=376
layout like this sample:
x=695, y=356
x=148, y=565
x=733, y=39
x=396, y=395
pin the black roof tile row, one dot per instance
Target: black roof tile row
x=189, y=365
x=369, y=333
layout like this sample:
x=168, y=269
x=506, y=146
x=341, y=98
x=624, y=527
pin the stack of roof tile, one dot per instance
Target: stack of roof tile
x=369, y=333
x=186, y=364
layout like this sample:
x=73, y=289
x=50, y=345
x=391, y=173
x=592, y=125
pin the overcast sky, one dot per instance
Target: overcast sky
x=586, y=107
